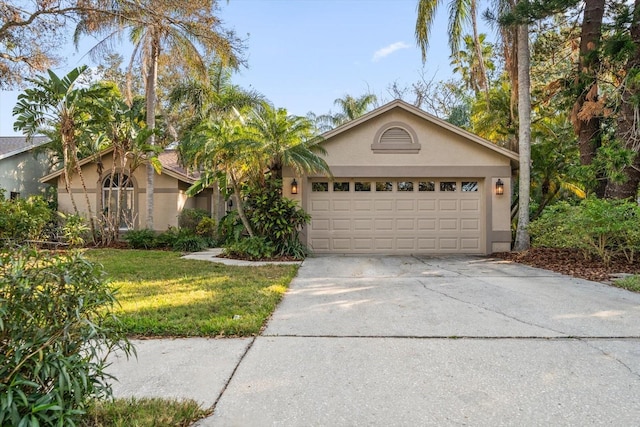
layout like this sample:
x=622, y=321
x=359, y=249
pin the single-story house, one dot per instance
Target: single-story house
x=21, y=167
x=406, y=182
x=170, y=188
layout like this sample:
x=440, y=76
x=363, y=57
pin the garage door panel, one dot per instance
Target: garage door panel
x=448, y=224
x=470, y=205
x=405, y=205
x=397, y=221
x=448, y=205
x=426, y=205
x=405, y=224
x=383, y=206
x=385, y=224
x=341, y=224
x=362, y=205
x=363, y=224
x=342, y=205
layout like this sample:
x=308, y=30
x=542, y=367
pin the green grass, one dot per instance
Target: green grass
x=631, y=283
x=144, y=413
x=163, y=295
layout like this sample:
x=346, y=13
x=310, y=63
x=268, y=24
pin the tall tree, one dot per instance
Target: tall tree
x=467, y=63
x=460, y=13
x=185, y=31
x=352, y=107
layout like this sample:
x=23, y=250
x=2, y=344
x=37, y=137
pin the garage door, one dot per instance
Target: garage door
x=396, y=216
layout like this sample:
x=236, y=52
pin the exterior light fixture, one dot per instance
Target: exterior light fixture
x=294, y=186
x=499, y=187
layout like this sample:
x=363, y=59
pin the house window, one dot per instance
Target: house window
x=405, y=186
x=340, y=186
x=384, y=186
x=363, y=186
x=426, y=186
x=14, y=195
x=469, y=186
x=448, y=186
x=320, y=187
x=117, y=199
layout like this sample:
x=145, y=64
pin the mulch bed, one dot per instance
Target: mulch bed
x=571, y=262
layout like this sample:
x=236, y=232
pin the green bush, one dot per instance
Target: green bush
x=596, y=227
x=23, y=219
x=276, y=218
x=230, y=229
x=141, y=239
x=56, y=331
x=190, y=218
x=74, y=229
x=188, y=242
x=251, y=248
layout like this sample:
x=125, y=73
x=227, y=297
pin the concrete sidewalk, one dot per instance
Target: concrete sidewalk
x=414, y=341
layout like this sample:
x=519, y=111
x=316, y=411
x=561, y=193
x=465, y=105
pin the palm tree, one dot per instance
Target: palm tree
x=57, y=107
x=179, y=28
x=351, y=108
x=286, y=140
x=467, y=63
x=216, y=97
x=461, y=12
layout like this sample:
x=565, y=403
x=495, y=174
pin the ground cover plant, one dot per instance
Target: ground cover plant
x=151, y=412
x=161, y=294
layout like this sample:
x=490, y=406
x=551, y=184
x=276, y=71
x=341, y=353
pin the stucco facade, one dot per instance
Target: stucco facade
x=21, y=167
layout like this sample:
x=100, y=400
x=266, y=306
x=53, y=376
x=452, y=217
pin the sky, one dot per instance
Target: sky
x=304, y=54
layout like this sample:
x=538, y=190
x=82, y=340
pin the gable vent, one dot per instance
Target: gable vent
x=395, y=136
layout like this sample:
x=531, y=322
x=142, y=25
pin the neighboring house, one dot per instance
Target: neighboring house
x=170, y=188
x=406, y=182
x=21, y=168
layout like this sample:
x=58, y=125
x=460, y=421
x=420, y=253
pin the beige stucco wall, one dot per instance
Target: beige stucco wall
x=169, y=195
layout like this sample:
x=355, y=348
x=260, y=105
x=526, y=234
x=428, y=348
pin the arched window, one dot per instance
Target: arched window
x=118, y=201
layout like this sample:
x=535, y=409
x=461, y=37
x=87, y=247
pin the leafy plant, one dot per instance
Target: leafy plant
x=190, y=218
x=141, y=239
x=251, y=248
x=188, y=242
x=597, y=227
x=74, y=229
x=56, y=331
x=230, y=229
x=276, y=218
x=23, y=219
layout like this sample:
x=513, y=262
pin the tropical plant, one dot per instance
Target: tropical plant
x=23, y=219
x=467, y=63
x=57, y=107
x=184, y=30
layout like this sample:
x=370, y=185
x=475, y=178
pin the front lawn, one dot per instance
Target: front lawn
x=163, y=295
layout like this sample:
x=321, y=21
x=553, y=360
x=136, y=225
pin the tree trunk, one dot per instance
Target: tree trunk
x=627, y=128
x=522, y=241
x=588, y=129
x=484, y=80
x=152, y=80
x=240, y=207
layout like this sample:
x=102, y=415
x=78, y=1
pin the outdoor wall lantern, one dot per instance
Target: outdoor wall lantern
x=499, y=187
x=294, y=186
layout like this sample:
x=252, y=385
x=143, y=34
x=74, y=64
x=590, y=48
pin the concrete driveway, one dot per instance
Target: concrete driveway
x=439, y=341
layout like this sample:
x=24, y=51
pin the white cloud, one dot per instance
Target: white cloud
x=388, y=50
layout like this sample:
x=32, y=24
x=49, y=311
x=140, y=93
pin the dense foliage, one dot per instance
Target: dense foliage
x=56, y=331
x=23, y=219
x=600, y=228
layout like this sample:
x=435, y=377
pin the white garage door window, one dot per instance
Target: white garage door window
x=396, y=216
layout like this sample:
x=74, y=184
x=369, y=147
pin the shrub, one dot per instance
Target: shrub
x=23, y=219
x=252, y=248
x=190, y=218
x=141, y=239
x=230, y=229
x=274, y=217
x=597, y=227
x=188, y=242
x=74, y=229
x=56, y=331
